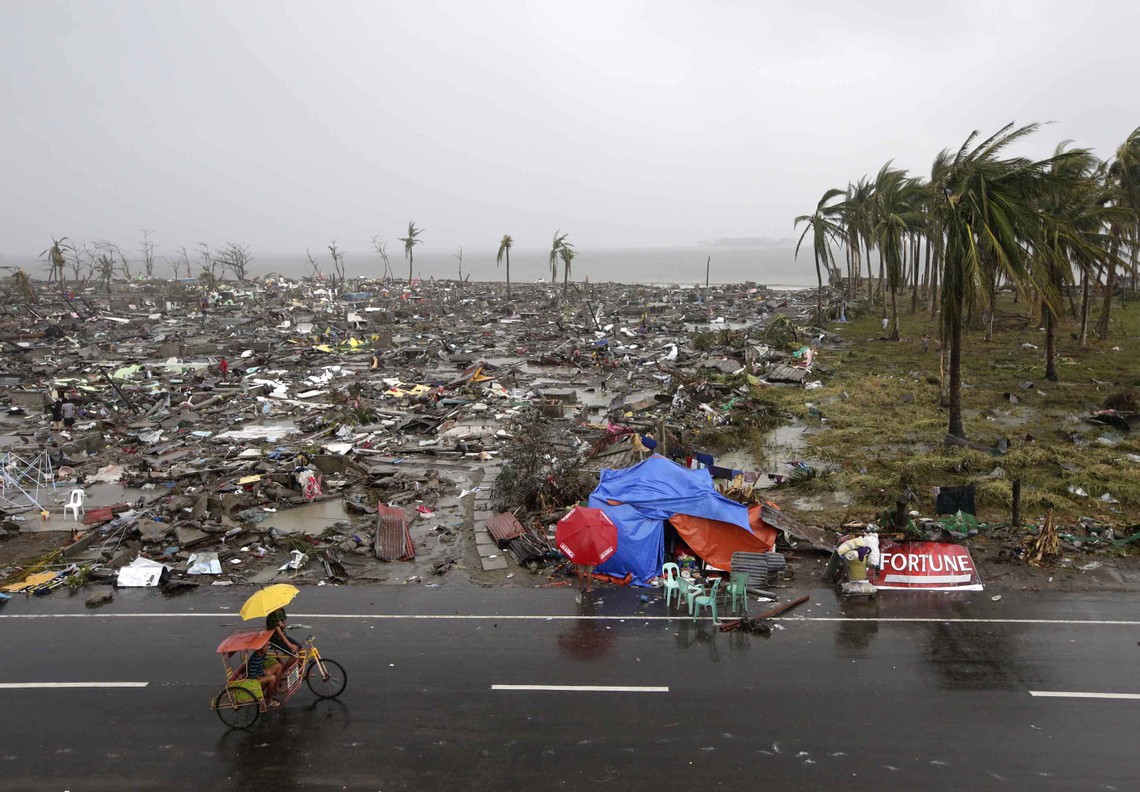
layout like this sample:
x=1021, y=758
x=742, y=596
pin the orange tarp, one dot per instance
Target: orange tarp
x=716, y=541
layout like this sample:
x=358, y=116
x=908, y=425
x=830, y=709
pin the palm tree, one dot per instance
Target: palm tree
x=894, y=219
x=988, y=214
x=851, y=214
x=823, y=229
x=935, y=234
x=1074, y=217
x=56, y=260
x=505, y=253
x=410, y=241
x=567, y=253
x=556, y=248
x=1124, y=175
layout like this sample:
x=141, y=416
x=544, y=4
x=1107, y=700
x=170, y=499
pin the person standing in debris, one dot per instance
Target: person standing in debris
x=224, y=367
x=67, y=411
x=57, y=412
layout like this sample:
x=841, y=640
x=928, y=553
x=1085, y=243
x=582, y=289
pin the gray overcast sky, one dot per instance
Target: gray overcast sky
x=286, y=124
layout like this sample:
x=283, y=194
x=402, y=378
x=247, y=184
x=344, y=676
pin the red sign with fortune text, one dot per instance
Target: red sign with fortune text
x=934, y=566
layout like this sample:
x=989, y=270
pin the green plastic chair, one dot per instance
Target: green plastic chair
x=672, y=581
x=738, y=590
x=690, y=590
x=707, y=599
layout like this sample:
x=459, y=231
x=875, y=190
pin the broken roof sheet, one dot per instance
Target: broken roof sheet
x=505, y=527
x=393, y=542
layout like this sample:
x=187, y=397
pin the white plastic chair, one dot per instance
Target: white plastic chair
x=75, y=504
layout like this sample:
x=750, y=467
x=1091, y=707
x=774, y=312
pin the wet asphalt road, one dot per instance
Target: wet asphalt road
x=845, y=697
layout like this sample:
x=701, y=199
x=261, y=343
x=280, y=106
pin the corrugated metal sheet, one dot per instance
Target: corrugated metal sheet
x=763, y=568
x=505, y=527
x=393, y=541
x=794, y=530
x=777, y=372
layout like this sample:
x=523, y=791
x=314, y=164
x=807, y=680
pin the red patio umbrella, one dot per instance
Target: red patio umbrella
x=586, y=536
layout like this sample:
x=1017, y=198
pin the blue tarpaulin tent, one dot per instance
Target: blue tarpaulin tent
x=641, y=498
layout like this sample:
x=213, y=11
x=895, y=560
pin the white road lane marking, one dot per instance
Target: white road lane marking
x=40, y=685
x=571, y=617
x=1080, y=695
x=586, y=688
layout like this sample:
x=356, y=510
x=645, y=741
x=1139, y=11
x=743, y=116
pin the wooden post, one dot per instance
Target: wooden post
x=130, y=404
x=708, y=262
x=1015, y=519
x=593, y=318
x=662, y=442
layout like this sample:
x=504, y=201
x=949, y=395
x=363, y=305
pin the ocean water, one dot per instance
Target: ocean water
x=769, y=266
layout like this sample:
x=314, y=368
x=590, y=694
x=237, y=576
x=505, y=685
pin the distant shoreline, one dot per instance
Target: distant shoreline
x=747, y=242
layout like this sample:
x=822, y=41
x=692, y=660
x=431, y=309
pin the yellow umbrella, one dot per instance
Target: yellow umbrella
x=269, y=599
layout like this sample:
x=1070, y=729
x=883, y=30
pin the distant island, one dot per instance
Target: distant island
x=748, y=242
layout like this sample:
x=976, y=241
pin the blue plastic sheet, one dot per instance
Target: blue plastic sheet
x=649, y=493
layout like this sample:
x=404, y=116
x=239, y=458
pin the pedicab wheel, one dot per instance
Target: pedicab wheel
x=237, y=707
x=329, y=686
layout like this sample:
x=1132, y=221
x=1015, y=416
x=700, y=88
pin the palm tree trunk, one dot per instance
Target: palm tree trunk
x=882, y=280
x=1050, y=342
x=935, y=269
x=818, y=294
x=411, y=258
x=565, y=280
x=992, y=308
x=1071, y=296
x=870, y=275
x=894, y=316
x=956, y=427
x=1084, y=308
x=914, y=275
x=508, y=274
x=1132, y=254
x=850, y=278
x=1106, y=306
x=926, y=268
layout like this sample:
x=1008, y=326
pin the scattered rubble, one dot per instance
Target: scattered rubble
x=280, y=429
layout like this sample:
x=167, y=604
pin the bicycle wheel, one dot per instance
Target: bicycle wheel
x=330, y=684
x=237, y=707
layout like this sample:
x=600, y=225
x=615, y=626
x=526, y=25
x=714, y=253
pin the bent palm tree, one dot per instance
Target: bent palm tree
x=410, y=241
x=896, y=218
x=555, y=249
x=1124, y=176
x=567, y=253
x=505, y=253
x=1075, y=215
x=851, y=214
x=822, y=229
x=988, y=214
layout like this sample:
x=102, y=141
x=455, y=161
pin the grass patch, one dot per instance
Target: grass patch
x=881, y=429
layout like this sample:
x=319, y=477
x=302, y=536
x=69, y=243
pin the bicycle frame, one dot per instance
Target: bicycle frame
x=307, y=655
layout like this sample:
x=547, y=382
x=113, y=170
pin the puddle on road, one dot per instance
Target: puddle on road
x=312, y=518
